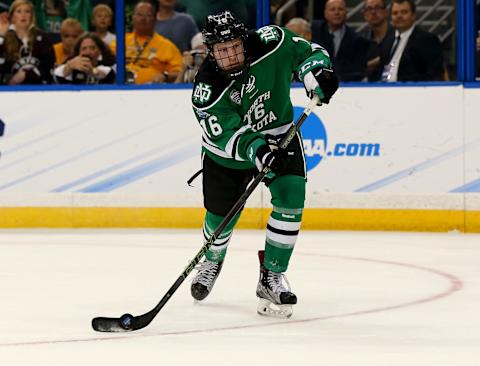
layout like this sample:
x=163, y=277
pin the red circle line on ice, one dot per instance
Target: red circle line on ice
x=455, y=284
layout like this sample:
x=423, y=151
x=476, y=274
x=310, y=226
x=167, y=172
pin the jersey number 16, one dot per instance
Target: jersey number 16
x=213, y=128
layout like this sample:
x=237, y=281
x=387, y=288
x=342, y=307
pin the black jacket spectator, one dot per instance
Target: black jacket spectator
x=92, y=63
x=36, y=58
x=350, y=62
x=26, y=52
x=422, y=58
x=378, y=50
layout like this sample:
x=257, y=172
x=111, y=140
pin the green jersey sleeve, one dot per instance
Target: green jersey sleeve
x=306, y=55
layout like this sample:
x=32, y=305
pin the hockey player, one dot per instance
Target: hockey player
x=241, y=98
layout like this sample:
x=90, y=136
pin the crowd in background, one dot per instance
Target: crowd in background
x=73, y=41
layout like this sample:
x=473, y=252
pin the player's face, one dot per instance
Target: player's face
x=229, y=55
x=402, y=16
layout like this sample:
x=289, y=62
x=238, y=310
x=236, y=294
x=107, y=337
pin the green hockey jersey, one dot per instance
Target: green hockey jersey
x=235, y=114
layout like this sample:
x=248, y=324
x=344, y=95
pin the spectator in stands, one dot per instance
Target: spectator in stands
x=26, y=53
x=70, y=30
x=80, y=10
x=301, y=27
x=379, y=32
x=177, y=27
x=92, y=63
x=50, y=14
x=414, y=54
x=347, y=49
x=150, y=57
x=192, y=60
x=102, y=16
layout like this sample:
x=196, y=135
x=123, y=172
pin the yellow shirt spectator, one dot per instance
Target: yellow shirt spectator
x=149, y=56
x=60, y=56
x=70, y=31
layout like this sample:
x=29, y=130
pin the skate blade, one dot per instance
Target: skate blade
x=268, y=308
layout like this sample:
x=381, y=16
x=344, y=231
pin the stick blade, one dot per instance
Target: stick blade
x=114, y=325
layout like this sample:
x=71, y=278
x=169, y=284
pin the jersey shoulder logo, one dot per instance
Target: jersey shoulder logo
x=235, y=97
x=202, y=93
x=268, y=34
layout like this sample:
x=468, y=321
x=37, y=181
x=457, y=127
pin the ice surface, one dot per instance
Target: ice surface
x=365, y=298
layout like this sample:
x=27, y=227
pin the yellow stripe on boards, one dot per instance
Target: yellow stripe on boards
x=122, y=217
x=33, y=217
x=384, y=219
x=252, y=218
x=472, y=222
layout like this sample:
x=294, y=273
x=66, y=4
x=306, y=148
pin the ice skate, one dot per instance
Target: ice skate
x=275, y=299
x=205, y=278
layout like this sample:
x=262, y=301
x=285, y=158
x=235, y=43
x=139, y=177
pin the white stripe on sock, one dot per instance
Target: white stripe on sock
x=282, y=239
x=284, y=225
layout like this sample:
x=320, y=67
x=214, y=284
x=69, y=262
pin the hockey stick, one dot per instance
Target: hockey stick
x=127, y=322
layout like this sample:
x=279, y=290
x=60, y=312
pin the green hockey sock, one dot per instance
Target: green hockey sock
x=218, y=250
x=282, y=232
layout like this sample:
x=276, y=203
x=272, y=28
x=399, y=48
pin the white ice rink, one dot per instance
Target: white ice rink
x=364, y=299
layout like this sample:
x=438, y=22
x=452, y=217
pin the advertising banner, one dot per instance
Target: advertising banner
x=371, y=148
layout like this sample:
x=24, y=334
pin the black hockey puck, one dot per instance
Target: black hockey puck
x=126, y=321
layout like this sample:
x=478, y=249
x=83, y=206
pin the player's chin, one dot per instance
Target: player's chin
x=234, y=68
